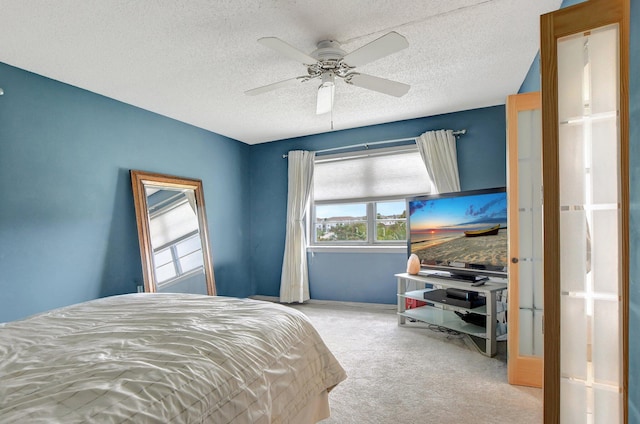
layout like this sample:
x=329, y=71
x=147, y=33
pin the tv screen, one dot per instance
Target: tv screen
x=464, y=233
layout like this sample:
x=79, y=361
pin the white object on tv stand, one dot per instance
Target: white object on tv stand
x=443, y=315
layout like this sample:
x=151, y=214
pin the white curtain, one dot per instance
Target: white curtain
x=438, y=151
x=294, y=281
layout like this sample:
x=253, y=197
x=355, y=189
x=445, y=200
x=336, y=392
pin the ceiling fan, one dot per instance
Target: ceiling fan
x=329, y=62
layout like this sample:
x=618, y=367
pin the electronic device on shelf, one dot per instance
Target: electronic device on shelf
x=463, y=233
x=461, y=294
x=441, y=296
x=473, y=318
x=478, y=280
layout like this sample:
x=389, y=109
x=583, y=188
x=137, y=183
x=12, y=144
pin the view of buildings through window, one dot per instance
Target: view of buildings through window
x=366, y=222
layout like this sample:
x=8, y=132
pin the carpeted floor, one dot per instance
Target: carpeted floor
x=411, y=374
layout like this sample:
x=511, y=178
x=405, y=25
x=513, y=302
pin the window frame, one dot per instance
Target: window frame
x=371, y=220
x=371, y=243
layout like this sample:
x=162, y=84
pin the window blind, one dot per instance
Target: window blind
x=172, y=225
x=374, y=174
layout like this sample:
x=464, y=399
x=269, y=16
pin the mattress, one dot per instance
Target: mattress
x=161, y=357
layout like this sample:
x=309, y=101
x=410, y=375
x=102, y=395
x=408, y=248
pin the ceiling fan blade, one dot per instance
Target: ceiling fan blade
x=392, y=88
x=378, y=48
x=275, y=86
x=287, y=50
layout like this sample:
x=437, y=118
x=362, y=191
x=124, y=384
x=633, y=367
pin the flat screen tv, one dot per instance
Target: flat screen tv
x=463, y=233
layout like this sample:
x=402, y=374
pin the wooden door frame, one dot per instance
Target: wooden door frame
x=575, y=19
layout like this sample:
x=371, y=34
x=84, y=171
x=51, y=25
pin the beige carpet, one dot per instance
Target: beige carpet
x=411, y=374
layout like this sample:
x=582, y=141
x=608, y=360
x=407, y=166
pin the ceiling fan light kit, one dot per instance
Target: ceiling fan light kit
x=329, y=61
x=326, y=93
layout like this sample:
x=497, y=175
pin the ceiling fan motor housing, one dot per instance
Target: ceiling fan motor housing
x=329, y=56
x=328, y=50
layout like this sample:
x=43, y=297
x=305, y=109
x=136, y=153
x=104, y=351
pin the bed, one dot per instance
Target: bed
x=160, y=357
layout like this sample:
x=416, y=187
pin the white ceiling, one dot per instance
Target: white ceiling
x=192, y=60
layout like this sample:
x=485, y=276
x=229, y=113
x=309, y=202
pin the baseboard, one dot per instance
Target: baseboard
x=337, y=303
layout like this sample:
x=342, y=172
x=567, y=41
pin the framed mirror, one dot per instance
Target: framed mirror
x=173, y=235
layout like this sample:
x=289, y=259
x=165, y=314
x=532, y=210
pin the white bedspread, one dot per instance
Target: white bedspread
x=163, y=358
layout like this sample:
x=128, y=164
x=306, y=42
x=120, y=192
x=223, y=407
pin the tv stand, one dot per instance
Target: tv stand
x=444, y=315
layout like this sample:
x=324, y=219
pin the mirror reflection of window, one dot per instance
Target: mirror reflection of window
x=173, y=234
x=175, y=239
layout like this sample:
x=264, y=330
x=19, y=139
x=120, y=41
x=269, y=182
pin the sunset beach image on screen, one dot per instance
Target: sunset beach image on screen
x=460, y=230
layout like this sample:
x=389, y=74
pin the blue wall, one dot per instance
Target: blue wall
x=531, y=81
x=362, y=277
x=67, y=225
x=67, y=222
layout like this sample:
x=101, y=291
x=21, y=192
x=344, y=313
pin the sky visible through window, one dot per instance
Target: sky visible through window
x=358, y=209
x=391, y=208
x=331, y=211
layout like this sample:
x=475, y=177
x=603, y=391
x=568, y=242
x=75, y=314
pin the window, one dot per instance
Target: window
x=178, y=259
x=177, y=246
x=341, y=222
x=359, y=197
x=391, y=221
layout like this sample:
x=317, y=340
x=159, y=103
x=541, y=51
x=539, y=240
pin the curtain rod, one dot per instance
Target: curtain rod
x=373, y=143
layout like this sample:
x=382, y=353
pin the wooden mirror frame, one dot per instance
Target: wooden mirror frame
x=138, y=181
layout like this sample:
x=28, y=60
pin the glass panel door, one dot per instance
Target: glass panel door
x=584, y=58
x=590, y=233
x=525, y=303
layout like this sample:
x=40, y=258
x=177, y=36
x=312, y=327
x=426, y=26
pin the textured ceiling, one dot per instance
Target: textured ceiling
x=192, y=60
